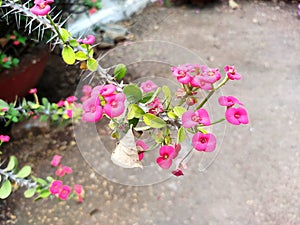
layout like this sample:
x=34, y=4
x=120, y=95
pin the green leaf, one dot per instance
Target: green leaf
x=168, y=95
x=0, y=2
x=3, y=104
x=46, y=103
x=5, y=189
x=134, y=111
x=133, y=93
x=156, y=93
x=29, y=193
x=92, y=64
x=133, y=122
x=171, y=115
x=181, y=135
x=33, y=105
x=68, y=55
x=73, y=43
x=146, y=97
x=50, y=179
x=44, y=118
x=178, y=110
x=91, y=52
x=15, y=119
x=44, y=194
x=120, y=71
x=12, y=164
x=64, y=34
x=81, y=56
x=153, y=121
x=54, y=117
x=41, y=181
x=24, y=172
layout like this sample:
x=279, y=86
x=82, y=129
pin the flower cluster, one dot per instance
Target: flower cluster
x=147, y=106
x=102, y=100
x=57, y=187
x=12, y=46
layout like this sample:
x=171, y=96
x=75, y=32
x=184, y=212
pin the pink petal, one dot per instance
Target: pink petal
x=187, y=119
x=177, y=172
x=167, y=149
x=204, y=142
x=165, y=164
x=237, y=116
x=40, y=11
x=56, y=160
x=96, y=91
x=203, y=116
x=142, y=144
x=93, y=116
x=107, y=89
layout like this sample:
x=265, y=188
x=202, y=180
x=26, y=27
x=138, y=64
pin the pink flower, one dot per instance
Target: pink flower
x=231, y=73
x=237, y=116
x=107, y=90
x=141, y=147
x=157, y=107
x=115, y=105
x=198, y=81
x=89, y=40
x=56, y=160
x=148, y=86
x=4, y=138
x=177, y=148
x=5, y=59
x=13, y=37
x=64, y=192
x=78, y=189
x=69, y=113
x=191, y=118
x=63, y=170
x=211, y=75
x=204, y=142
x=191, y=101
x=92, y=110
x=41, y=7
x=92, y=11
x=16, y=43
x=32, y=91
x=182, y=73
x=87, y=90
x=55, y=187
x=228, y=101
x=71, y=99
x=61, y=103
x=177, y=172
x=167, y=153
x=96, y=91
x=79, y=192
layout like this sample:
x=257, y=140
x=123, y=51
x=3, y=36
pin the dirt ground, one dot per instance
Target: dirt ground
x=255, y=179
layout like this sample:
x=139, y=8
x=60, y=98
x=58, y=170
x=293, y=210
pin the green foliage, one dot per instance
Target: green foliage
x=29, y=192
x=68, y=55
x=6, y=189
x=181, y=135
x=133, y=93
x=153, y=121
x=92, y=64
x=168, y=96
x=120, y=71
x=134, y=111
x=179, y=110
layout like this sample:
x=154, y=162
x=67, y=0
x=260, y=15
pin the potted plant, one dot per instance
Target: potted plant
x=23, y=59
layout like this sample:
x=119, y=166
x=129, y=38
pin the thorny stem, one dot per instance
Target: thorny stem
x=212, y=92
x=28, y=183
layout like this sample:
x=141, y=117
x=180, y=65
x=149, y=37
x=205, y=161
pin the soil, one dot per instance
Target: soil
x=254, y=180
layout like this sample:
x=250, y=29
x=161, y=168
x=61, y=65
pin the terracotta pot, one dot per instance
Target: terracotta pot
x=18, y=81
